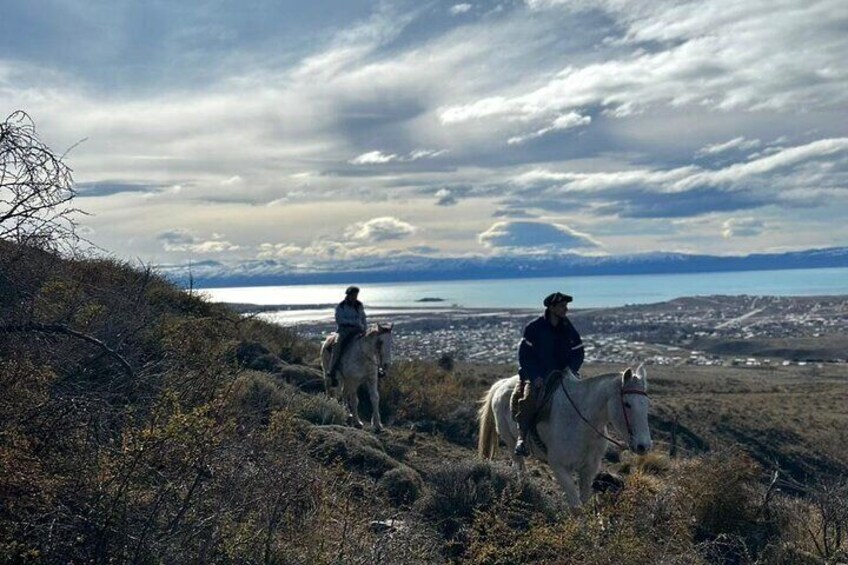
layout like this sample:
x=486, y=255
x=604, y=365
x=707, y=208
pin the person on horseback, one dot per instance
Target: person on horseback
x=351, y=321
x=550, y=343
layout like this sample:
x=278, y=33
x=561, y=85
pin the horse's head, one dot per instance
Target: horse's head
x=631, y=420
x=383, y=346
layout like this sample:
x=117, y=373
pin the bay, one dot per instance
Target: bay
x=589, y=292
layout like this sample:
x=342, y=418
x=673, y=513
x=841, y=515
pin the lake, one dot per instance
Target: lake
x=588, y=292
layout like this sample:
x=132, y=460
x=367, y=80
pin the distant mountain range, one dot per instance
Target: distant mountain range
x=418, y=268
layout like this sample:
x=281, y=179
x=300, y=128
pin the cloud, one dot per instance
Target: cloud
x=183, y=240
x=781, y=178
x=278, y=251
x=735, y=144
x=457, y=9
x=379, y=229
x=108, y=188
x=513, y=214
x=374, y=158
x=535, y=236
x=445, y=198
x=564, y=122
x=586, y=109
x=742, y=227
x=722, y=56
x=379, y=158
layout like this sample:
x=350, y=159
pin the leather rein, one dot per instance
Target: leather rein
x=622, y=392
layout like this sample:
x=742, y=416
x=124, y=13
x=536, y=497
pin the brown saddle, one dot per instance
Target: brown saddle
x=540, y=408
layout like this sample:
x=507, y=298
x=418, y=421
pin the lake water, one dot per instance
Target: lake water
x=588, y=292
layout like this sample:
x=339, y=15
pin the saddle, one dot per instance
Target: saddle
x=540, y=412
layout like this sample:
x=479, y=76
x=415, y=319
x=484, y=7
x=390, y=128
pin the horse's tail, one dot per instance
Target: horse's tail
x=487, y=443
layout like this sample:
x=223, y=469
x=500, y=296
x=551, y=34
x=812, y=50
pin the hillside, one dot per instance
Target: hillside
x=142, y=424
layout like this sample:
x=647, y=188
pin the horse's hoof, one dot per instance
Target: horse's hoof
x=378, y=430
x=358, y=425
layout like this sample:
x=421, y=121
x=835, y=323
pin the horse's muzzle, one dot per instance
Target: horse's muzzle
x=641, y=448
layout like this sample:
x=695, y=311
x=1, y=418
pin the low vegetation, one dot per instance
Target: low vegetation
x=139, y=423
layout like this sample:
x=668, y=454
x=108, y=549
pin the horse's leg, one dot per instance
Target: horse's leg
x=374, y=396
x=353, y=403
x=586, y=477
x=566, y=481
x=325, y=368
x=589, y=470
x=519, y=462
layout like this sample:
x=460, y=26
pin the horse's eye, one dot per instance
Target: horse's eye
x=627, y=405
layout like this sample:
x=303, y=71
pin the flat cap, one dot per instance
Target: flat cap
x=352, y=290
x=556, y=298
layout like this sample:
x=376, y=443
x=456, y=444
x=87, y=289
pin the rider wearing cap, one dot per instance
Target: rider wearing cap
x=351, y=321
x=550, y=343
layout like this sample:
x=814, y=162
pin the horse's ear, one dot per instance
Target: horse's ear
x=627, y=375
x=640, y=371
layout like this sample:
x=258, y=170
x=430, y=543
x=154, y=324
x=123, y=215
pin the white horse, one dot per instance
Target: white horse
x=361, y=362
x=575, y=432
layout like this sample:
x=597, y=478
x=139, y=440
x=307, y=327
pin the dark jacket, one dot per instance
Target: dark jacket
x=351, y=315
x=545, y=348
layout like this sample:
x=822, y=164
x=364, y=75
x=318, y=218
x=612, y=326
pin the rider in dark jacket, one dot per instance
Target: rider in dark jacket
x=351, y=322
x=550, y=343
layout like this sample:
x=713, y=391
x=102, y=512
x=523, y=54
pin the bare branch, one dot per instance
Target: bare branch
x=36, y=189
x=62, y=329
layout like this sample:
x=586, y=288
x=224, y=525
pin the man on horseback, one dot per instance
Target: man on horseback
x=351, y=321
x=550, y=343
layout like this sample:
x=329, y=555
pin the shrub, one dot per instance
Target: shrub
x=402, y=485
x=352, y=448
x=460, y=490
x=304, y=378
x=255, y=396
x=315, y=408
x=419, y=391
x=414, y=542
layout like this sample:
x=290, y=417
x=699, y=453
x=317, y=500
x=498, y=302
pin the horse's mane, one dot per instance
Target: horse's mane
x=376, y=330
x=371, y=331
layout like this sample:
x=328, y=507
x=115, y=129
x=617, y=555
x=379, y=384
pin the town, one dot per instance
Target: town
x=713, y=330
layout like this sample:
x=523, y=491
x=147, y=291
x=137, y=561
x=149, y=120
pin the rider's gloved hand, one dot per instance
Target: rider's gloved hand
x=538, y=382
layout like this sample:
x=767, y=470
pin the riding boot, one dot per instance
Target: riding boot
x=335, y=356
x=524, y=420
x=524, y=417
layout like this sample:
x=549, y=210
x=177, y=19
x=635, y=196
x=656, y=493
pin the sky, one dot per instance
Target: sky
x=338, y=132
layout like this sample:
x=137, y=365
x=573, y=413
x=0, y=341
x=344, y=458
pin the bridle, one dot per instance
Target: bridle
x=623, y=391
x=377, y=359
